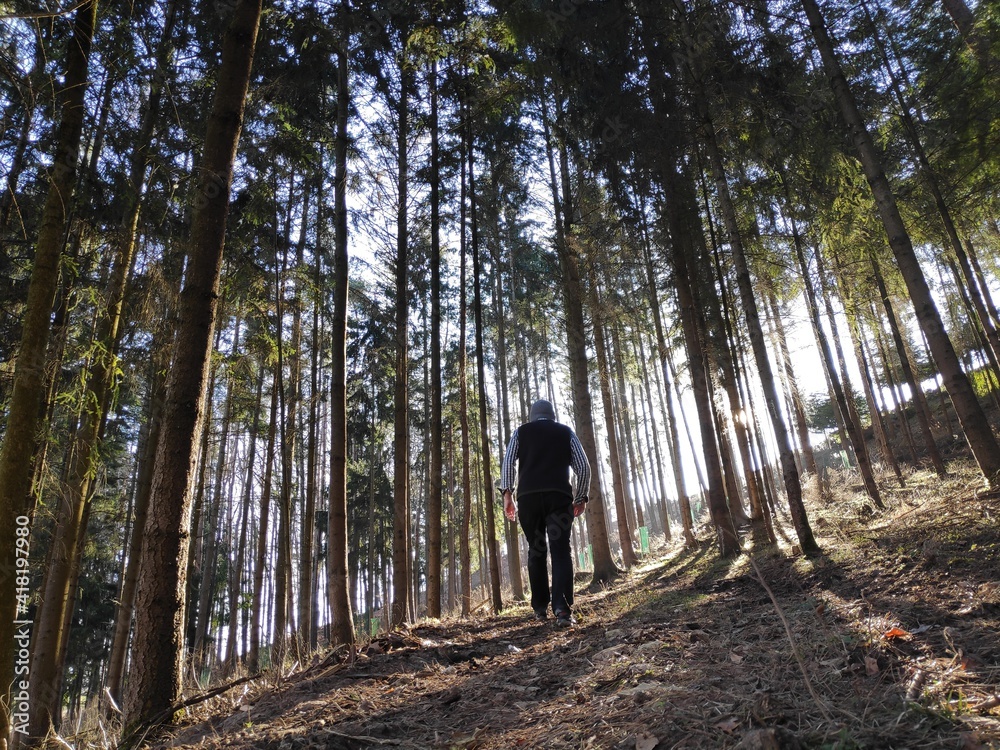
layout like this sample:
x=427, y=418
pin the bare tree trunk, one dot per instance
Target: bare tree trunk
x=801, y=424
x=465, y=552
x=923, y=412
x=605, y=568
x=19, y=442
x=156, y=680
x=653, y=437
x=874, y=408
x=401, y=463
x=503, y=424
x=253, y=655
x=211, y=533
x=744, y=283
x=977, y=429
x=629, y=558
x=489, y=497
x=123, y=614
x=853, y=431
x=236, y=571
x=435, y=485
x=338, y=590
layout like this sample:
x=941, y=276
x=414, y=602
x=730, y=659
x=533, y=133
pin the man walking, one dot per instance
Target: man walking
x=544, y=451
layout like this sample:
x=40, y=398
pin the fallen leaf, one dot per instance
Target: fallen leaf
x=646, y=741
x=895, y=633
x=735, y=658
x=921, y=629
x=727, y=725
x=871, y=666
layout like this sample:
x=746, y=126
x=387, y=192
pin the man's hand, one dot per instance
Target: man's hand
x=578, y=507
x=508, y=506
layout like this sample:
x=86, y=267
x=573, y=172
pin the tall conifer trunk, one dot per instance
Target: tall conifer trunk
x=923, y=412
x=744, y=283
x=605, y=568
x=29, y=373
x=338, y=590
x=260, y=559
x=435, y=448
x=156, y=680
x=401, y=464
x=489, y=502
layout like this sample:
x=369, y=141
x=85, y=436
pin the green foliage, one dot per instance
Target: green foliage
x=821, y=414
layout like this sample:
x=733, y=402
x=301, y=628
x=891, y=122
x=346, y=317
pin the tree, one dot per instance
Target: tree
x=157, y=648
x=29, y=376
x=977, y=429
x=342, y=627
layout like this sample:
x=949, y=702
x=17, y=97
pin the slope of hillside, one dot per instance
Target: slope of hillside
x=890, y=640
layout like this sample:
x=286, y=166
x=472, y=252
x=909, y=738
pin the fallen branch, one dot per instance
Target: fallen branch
x=144, y=728
x=791, y=640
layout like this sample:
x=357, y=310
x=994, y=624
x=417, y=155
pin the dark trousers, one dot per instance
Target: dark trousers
x=548, y=515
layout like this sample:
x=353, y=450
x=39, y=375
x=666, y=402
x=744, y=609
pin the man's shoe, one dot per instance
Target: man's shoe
x=541, y=615
x=565, y=620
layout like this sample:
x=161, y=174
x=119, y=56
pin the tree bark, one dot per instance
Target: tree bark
x=236, y=571
x=157, y=679
x=434, y=498
x=853, y=431
x=401, y=464
x=253, y=655
x=801, y=424
x=338, y=589
x=923, y=412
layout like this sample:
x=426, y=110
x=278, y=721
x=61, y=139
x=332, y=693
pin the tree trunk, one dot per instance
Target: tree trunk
x=210, y=534
x=853, y=431
x=923, y=412
x=489, y=496
x=29, y=374
x=653, y=437
x=465, y=552
x=236, y=571
x=801, y=424
x=503, y=424
x=965, y=22
x=156, y=680
x=744, y=283
x=253, y=655
x=338, y=590
x=673, y=436
x=436, y=456
x=605, y=568
x=629, y=558
x=160, y=348
x=977, y=429
x=401, y=464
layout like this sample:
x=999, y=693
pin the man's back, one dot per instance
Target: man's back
x=544, y=457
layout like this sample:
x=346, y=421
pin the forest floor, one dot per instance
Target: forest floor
x=889, y=639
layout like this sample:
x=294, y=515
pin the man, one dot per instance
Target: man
x=544, y=451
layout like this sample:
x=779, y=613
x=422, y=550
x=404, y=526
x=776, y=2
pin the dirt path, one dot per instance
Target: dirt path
x=897, y=627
